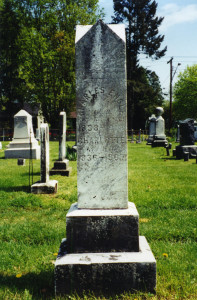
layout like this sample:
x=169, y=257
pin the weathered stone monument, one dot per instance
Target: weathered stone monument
x=0, y=145
x=159, y=139
x=24, y=144
x=61, y=166
x=103, y=251
x=152, y=129
x=44, y=186
x=187, y=140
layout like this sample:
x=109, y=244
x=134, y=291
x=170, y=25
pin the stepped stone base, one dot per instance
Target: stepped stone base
x=61, y=168
x=159, y=143
x=49, y=187
x=105, y=272
x=111, y=230
x=23, y=153
x=191, y=149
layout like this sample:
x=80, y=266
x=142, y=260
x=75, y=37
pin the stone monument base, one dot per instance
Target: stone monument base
x=104, y=253
x=21, y=149
x=159, y=143
x=49, y=187
x=61, y=168
x=180, y=150
x=106, y=272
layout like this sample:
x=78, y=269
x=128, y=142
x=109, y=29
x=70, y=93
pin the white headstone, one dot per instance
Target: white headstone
x=24, y=144
x=101, y=116
x=160, y=124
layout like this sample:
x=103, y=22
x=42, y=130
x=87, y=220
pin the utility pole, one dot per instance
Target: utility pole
x=171, y=68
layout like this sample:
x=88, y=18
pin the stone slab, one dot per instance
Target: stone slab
x=61, y=172
x=106, y=272
x=21, y=162
x=180, y=150
x=23, y=153
x=0, y=145
x=102, y=175
x=102, y=230
x=49, y=187
x=159, y=143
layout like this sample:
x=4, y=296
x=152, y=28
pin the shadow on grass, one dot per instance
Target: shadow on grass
x=40, y=286
x=169, y=158
x=9, y=189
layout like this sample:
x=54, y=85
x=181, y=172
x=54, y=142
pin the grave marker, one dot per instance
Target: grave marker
x=44, y=186
x=24, y=144
x=62, y=165
x=102, y=228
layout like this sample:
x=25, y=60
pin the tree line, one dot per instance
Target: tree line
x=37, y=61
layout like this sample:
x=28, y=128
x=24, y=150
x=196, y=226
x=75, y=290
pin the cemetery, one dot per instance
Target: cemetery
x=122, y=224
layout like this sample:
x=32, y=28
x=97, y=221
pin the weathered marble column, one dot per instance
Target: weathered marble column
x=61, y=166
x=102, y=227
x=44, y=186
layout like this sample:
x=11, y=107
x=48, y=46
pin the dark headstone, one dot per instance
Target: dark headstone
x=187, y=132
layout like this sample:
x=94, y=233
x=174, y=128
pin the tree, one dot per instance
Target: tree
x=9, y=51
x=142, y=38
x=45, y=60
x=185, y=94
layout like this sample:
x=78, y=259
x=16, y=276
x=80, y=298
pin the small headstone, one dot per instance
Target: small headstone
x=187, y=140
x=44, y=186
x=24, y=144
x=21, y=162
x=102, y=228
x=139, y=138
x=61, y=166
x=159, y=139
x=0, y=145
x=132, y=137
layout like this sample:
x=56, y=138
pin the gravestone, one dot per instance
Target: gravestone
x=44, y=186
x=24, y=144
x=61, y=166
x=187, y=140
x=132, y=137
x=178, y=134
x=139, y=138
x=152, y=129
x=40, y=120
x=0, y=145
x=103, y=251
x=159, y=139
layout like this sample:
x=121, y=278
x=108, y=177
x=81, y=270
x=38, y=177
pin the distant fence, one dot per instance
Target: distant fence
x=6, y=134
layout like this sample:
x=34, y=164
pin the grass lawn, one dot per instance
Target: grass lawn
x=164, y=191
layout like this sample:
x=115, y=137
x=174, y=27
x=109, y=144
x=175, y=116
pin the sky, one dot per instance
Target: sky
x=180, y=30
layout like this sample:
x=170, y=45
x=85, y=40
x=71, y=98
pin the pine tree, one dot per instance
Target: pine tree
x=142, y=38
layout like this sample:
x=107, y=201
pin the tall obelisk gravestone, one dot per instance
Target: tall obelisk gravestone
x=61, y=166
x=103, y=251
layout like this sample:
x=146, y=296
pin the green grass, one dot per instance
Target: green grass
x=31, y=226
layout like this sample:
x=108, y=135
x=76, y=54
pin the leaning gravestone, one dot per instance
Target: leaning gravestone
x=24, y=144
x=44, y=186
x=159, y=139
x=103, y=251
x=187, y=140
x=61, y=166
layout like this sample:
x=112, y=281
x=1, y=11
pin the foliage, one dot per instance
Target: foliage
x=142, y=38
x=147, y=94
x=185, y=94
x=32, y=226
x=41, y=52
